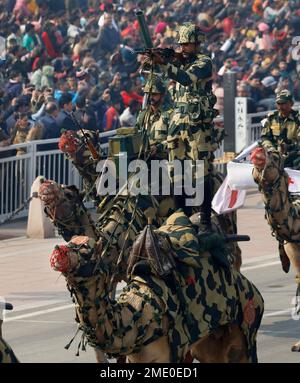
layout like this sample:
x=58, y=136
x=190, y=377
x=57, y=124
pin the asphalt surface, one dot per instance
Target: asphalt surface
x=42, y=322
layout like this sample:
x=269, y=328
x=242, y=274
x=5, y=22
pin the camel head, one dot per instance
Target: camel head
x=268, y=166
x=74, y=145
x=78, y=257
x=51, y=193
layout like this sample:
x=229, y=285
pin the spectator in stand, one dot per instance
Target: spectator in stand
x=243, y=91
x=85, y=114
x=111, y=120
x=109, y=36
x=129, y=115
x=21, y=8
x=52, y=40
x=31, y=40
x=128, y=94
x=51, y=128
x=14, y=86
x=64, y=119
x=20, y=131
x=74, y=28
x=268, y=97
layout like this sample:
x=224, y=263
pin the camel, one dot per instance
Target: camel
x=281, y=209
x=194, y=304
x=65, y=208
x=6, y=353
x=113, y=230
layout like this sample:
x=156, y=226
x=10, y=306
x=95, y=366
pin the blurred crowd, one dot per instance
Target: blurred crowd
x=64, y=62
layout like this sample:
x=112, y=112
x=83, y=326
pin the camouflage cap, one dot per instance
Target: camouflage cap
x=284, y=96
x=190, y=33
x=155, y=84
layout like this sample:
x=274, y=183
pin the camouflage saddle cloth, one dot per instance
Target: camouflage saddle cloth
x=203, y=291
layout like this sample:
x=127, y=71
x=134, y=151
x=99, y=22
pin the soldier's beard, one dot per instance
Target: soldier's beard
x=154, y=103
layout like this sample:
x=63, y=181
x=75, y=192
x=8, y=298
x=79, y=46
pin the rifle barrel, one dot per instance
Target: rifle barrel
x=144, y=29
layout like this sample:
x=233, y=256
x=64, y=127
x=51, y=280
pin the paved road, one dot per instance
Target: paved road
x=43, y=320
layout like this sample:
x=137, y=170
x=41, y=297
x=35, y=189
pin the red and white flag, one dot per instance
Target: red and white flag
x=232, y=193
x=227, y=199
x=294, y=180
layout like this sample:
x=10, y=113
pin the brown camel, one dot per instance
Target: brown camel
x=281, y=209
x=152, y=321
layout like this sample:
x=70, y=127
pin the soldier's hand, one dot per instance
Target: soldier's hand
x=156, y=57
x=283, y=148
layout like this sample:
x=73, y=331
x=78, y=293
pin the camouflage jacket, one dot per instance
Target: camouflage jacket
x=193, y=89
x=278, y=130
x=158, y=129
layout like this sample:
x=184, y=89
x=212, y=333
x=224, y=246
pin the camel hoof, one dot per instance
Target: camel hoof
x=295, y=348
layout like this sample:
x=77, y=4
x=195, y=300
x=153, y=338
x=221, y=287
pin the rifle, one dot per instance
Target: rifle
x=144, y=29
x=87, y=140
x=169, y=54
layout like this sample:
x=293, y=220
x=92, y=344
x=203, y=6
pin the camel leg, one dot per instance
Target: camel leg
x=225, y=345
x=155, y=352
x=296, y=347
x=293, y=252
x=100, y=356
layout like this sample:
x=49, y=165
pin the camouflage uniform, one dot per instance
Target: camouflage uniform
x=158, y=121
x=283, y=134
x=6, y=353
x=192, y=135
x=157, y=124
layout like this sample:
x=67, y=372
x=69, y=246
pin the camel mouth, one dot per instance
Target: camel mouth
x=59, y=259
x=258, y=158
x=49, y=192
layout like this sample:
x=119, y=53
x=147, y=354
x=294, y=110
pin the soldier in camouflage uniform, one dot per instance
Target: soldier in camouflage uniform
x=192, y=135
x=158, y=119
x=281, y=130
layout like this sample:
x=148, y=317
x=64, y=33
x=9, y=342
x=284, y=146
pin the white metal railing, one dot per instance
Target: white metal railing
x=17, y=172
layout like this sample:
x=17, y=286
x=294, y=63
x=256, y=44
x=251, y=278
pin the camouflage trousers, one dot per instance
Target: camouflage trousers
x=191, y=140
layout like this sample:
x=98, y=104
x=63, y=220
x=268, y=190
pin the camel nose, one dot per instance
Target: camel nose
x=258, y=157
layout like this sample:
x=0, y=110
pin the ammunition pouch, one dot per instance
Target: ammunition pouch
x=199, y=110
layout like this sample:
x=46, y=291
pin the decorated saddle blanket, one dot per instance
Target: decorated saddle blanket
x=206, y=292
